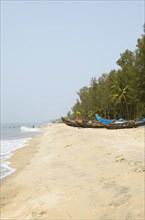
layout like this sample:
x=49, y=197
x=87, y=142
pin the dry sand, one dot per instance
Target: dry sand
x=76, y=173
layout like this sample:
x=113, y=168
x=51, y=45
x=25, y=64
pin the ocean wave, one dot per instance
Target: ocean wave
x=8, y=146
x=4, y=156
x=27, y=129
x=7, y=149
x=6, y=170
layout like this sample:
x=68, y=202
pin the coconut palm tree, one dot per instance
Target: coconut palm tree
x=119, y=95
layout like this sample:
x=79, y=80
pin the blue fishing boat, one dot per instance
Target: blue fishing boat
x=104, y=120
x=108, y=121
x=140, y=123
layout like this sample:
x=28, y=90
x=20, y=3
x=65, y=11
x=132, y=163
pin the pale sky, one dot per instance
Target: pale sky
x=51, y=49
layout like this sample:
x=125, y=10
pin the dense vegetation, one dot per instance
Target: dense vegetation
x=119, y=93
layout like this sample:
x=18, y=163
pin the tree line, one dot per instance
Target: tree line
x=119, y=93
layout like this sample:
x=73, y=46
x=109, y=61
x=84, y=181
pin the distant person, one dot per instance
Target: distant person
x=33, y=126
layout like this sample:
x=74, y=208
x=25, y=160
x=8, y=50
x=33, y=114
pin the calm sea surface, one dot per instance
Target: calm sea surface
x=14, y=136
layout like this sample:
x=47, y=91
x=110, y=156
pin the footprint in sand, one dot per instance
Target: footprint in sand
x=139, y=168
x=120, y=158
x=42, y=213
x=142, y=170
x=122, y=190
x=35, y=215
x=28, y=199
x=101, y=179
x=109, y=184
x=120, y=201
x=122, y=196
x=68, y=145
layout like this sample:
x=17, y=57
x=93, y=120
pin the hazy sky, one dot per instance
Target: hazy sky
x=51, y=49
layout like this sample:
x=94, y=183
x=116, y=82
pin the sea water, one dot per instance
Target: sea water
x=13, y=137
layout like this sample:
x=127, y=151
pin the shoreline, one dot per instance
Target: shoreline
x=10, y=144
x=72, y=173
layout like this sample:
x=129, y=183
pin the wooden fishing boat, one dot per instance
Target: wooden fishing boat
x=71, y=123
x=104, y=120
x=89, y=124
x=140, y=123
x=82, y=123
x=120, y=125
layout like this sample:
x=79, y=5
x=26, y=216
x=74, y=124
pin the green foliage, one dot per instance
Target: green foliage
x=140, y=68
x=119, y=93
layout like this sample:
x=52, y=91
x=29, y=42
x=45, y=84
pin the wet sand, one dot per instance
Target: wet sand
x=76, y=173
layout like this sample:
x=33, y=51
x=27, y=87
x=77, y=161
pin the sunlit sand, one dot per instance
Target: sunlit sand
x=76, y=173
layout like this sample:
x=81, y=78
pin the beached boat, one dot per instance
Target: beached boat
x=82, y=123
x=128, y=124
x=120, y=125
x=104, y=120
x=71, y=123
x=89, y=124
x=140, y=123
x=109, y=121
x=116, y=123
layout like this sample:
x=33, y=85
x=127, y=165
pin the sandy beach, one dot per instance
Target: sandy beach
x=76, y=173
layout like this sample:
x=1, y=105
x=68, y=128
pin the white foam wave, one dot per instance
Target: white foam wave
x=6, y=170
x=6, y=151
x=4, y=156
x=8, y=146
x=27, y=129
